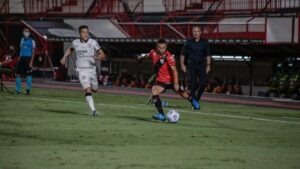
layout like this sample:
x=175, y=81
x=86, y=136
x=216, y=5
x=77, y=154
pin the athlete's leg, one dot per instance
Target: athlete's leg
x=84, y=78
x=156, y=91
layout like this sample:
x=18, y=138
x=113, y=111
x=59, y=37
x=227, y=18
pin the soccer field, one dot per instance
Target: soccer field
x=52, y=129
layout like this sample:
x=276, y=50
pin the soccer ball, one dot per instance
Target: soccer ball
x=173, y=116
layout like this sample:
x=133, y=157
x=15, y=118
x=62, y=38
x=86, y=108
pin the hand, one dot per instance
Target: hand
x=208, y=69
x=183, y=68
x=140, y=57
x=176, y=87
x=63, y=61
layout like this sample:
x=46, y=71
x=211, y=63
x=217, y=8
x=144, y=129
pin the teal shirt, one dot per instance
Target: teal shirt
x=27, y=46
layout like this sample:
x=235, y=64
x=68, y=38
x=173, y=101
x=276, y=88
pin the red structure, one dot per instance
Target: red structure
x=176, y=22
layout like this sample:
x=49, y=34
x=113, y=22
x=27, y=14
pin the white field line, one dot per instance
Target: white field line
x=148, y=108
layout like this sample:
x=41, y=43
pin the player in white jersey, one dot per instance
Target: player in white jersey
x=87, y=51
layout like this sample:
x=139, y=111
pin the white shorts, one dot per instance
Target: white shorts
x=88, y=79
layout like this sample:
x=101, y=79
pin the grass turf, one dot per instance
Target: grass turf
x=52, y=129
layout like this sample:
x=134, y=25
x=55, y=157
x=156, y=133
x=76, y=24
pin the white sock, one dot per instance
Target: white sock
x=90, y=101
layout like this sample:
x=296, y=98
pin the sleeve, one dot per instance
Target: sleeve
x=170, y=59
x=151, y=54
x=33, y=44
x=207, y=49
x=97, y=46
x=184, y=49
x=72, y=45
x=21, y=42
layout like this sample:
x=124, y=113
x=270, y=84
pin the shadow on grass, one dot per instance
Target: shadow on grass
x=140, y=119
x=64, y=112
x=213, y=125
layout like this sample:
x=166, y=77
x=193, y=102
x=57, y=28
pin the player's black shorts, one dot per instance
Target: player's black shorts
x=166, y=86
x=23, y=66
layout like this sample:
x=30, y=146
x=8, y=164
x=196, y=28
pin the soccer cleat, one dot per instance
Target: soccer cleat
x=159, y=116
x=27, y=92
x=95, y=113
x=195, y=104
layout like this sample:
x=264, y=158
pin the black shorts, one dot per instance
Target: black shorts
x=23, y=66
x=166, y=86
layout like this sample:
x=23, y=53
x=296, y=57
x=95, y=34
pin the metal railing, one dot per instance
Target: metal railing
x=55, y=7
x=230, y=5
x=213, y=30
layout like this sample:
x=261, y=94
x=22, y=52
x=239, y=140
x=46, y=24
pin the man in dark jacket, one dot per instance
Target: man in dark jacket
x=195, y=60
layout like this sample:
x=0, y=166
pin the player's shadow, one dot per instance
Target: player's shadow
x=64, y=112
x=138, y=118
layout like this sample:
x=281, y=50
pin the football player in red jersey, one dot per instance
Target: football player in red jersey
x=166, y=76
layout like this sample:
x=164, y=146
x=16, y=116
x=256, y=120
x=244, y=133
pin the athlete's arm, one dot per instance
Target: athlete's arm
x=102, y=54
x=33, y=54
x=175, y=77
x=143, y=56
x=182, y=65
x=182, y=57
x=66, y=55
x=208, y=65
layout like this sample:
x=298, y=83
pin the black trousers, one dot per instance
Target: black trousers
x=23, y=66
x=197, y=79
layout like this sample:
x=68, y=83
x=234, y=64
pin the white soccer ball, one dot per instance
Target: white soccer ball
x=173, y=116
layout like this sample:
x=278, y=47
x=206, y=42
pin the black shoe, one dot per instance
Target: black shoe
x=27, y=92
x=17, y=92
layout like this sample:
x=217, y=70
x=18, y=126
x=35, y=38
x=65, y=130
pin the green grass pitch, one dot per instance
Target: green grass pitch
x=53, y=130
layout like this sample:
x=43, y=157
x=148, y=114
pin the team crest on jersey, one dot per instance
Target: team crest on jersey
x=162, y=61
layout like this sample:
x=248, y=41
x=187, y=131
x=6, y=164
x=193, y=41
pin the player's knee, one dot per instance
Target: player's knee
x=156, y=90
x=88, y=90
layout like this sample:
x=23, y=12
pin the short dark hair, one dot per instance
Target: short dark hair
x=199, y=27
x=82, y=27
x=161, y=41
x=25, y=28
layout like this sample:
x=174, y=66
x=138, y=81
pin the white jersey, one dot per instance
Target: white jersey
x=85, y=53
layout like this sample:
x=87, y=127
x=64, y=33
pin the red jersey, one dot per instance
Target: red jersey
x=165, y=72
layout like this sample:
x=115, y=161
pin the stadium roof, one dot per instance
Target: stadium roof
x=58, y=31
x=66, y=31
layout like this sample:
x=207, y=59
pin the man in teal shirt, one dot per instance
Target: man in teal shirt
x=25, y=61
